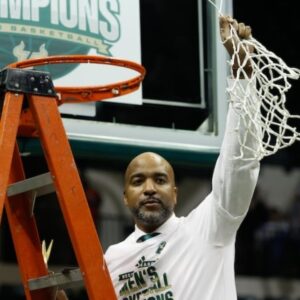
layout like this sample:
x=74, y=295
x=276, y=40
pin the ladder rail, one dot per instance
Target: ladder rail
x=9, y=123
x=72, y=199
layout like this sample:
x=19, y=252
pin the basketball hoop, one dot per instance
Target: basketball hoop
x=71, y=94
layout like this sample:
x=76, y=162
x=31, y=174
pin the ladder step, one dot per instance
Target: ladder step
x=71, y=276
x=41, y=184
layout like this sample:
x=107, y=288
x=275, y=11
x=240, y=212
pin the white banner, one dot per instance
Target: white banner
x=32, y=29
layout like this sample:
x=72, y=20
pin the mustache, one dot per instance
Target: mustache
x=150, y=199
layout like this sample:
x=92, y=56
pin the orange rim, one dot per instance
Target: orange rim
x=70, y=94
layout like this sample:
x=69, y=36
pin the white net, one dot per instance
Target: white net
x=268, y=122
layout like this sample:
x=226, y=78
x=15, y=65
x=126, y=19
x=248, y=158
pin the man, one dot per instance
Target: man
x=187, y=258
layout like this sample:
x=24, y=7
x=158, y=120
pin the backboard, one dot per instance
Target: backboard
x=180, y=109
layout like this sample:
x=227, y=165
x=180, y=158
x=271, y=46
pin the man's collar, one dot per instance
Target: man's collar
x=169, y=226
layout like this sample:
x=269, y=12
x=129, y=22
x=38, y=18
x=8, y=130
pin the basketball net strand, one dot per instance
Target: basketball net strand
x=261, y=110
x=260, y=100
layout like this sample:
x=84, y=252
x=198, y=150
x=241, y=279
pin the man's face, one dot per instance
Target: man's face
x=150, y=191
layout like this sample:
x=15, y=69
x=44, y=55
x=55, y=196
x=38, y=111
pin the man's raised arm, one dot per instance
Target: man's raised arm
x=234, y=179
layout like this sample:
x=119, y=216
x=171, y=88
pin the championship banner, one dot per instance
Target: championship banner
x=33, y=29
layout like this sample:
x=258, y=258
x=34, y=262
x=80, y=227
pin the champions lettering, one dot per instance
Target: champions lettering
x=91, y=17
x=167, y=296
x=136, y=286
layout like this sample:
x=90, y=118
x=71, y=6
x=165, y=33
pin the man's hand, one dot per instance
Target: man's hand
x=231, y=41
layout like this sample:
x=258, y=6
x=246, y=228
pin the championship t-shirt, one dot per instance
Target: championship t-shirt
x=191, y=258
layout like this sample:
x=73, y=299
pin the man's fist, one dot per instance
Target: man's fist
x=231, y=42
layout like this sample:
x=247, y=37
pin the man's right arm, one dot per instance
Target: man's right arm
x=234, y=180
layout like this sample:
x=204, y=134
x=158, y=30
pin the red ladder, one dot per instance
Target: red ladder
x=42, y=105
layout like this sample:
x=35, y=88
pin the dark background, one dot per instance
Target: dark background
x=258, y=253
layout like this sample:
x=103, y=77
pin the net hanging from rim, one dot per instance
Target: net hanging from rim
x=263, y=116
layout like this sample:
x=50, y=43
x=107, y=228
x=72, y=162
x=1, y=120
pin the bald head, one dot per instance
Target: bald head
x=148, y=159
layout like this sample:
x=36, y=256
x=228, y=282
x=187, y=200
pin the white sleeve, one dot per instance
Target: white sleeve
x=221, y=213
x=234, y=180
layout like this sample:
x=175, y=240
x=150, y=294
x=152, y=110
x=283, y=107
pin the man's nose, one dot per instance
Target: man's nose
x=149, y=187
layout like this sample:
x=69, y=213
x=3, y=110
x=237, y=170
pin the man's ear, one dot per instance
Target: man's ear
x=125, y=199
x=175, y=194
